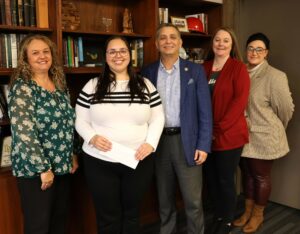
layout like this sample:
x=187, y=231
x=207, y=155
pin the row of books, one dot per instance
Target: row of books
x=87, y=52
x=29, y=13
x=163, y=14
x=9, y=44
x=78, y=52
x=137, y=52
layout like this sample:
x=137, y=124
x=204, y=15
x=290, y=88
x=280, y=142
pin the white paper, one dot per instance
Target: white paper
x=121, y=154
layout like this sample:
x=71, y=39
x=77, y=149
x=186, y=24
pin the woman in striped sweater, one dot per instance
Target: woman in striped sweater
x=118, y=107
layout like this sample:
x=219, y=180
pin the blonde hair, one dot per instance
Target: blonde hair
x=24, y=70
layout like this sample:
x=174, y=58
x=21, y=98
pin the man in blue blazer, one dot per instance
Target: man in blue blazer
x=187, y=135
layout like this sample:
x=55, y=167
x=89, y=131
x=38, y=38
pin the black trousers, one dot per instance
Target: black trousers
x=45, y=211
x=117, y=191
x=219, y=169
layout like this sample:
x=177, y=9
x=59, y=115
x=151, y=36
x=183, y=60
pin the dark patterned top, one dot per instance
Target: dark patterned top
x=42, y=126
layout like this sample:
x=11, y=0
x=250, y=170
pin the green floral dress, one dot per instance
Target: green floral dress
x=42, y=126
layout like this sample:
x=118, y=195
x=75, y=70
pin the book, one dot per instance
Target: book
x=2, y=12
x=80, y=51
x=140, y=52
x=26, y=7
x=14, y=14
x=41, y=7
x=7, y=12
x=163, y=15
x=133, y=48
x=32, y=13
x=5, y=151
x=20, y=13
x=14, y=53
x=3, y=101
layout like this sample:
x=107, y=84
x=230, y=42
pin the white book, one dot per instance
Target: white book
x=166, y=15
x=14, y=50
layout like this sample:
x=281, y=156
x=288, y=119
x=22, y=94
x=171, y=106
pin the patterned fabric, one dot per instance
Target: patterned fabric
x=42, y=125
x=270, y=108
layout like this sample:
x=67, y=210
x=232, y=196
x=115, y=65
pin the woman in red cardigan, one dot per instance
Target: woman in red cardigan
x=229, y=84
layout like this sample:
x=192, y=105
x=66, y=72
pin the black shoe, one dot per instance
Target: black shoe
x=214, y=227
x=224, y=228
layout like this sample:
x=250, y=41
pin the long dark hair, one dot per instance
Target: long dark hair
x=136, y=84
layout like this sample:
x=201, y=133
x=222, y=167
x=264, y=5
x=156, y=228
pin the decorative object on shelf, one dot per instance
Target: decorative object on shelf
x=195, y=24
x=127, y=21
x=70, y=16
x=93, y=55
x=183, y=54
x=5, y=146
x=107, y=22
x=3, y=101
x=5, y=152
x=180, y=23
x=196, y=55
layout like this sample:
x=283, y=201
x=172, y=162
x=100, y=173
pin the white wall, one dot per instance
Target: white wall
x=280, y=21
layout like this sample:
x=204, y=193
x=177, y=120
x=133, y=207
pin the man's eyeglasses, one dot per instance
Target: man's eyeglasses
x=121, y=52
x=258, y=50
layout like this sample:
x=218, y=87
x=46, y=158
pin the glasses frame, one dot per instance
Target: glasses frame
x=258, y=50
x=124, y=52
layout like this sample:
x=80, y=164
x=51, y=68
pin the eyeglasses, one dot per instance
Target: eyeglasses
x=121, y=52
x=258, y=50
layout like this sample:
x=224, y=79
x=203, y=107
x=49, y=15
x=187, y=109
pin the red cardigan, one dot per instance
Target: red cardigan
x=229, y=100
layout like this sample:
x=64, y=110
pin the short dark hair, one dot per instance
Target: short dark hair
x=261, y=37
x=164, y=25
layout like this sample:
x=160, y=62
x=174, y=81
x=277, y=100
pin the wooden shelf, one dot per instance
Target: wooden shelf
x=83, y=70
x=88, y=70
x=191, y=34
x=5, y=171
x=190, y=3
x=5, y=71
x=131, y=35
x=7, y=28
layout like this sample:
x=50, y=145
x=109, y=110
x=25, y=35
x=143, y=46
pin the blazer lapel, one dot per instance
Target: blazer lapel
x=184, y=78
x=257, y=77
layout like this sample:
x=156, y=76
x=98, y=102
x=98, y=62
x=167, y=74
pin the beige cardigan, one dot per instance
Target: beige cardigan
x=270, y=107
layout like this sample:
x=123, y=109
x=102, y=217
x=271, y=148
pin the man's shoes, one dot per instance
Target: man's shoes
x=224, y=228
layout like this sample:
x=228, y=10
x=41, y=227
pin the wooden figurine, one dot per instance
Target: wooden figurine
x=127, y=21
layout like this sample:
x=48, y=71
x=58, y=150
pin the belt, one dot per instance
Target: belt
x=171, y=131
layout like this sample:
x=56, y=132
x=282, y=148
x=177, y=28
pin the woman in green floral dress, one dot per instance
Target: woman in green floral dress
x=42, y=126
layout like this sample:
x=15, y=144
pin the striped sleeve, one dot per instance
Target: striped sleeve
x=83, y=103
x=84, y=99
x=157, y=120
x=154, y=99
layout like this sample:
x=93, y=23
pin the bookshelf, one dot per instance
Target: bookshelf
x=145, y=20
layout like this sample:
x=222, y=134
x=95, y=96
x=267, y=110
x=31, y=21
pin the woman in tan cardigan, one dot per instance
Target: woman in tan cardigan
x=270, y=107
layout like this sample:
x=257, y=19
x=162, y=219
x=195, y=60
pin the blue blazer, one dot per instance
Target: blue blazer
x=195, y=107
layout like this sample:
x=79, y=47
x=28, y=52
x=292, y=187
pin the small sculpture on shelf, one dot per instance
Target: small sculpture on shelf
x=70, y=15
x=127, y=21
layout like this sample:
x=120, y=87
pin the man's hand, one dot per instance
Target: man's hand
x=200, y=157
